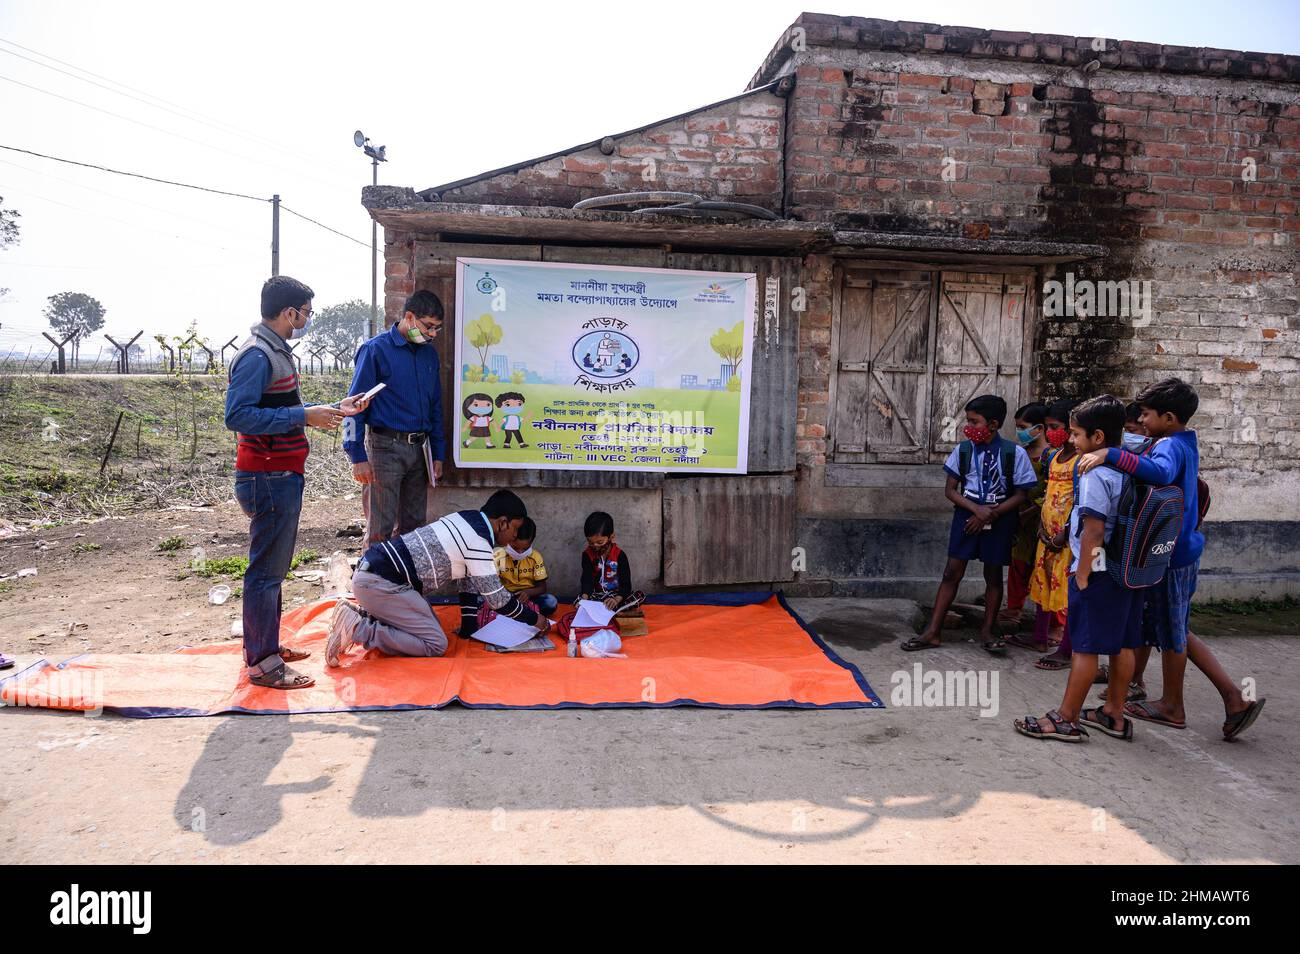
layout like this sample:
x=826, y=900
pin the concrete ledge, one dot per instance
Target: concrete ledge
x=1210, y=586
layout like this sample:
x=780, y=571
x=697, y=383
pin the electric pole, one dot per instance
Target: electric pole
x=377, y=155
x=275, y=235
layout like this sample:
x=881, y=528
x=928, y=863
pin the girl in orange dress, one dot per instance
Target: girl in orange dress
x=1050, y=577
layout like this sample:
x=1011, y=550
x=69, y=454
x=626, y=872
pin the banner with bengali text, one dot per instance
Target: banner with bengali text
x=598, y=367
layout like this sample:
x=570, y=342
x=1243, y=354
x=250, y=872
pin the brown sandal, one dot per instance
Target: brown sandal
x=280, y=677
x=292, y=655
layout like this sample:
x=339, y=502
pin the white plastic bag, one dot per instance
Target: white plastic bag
x=603, y=644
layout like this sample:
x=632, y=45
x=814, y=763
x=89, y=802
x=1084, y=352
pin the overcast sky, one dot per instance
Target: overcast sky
x=263, y=97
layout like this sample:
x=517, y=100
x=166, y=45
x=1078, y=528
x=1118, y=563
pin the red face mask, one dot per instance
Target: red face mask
x=977, y=434
x=1056, y=436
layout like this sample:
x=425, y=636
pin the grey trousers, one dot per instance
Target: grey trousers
x=403, y=623
x=399, y=492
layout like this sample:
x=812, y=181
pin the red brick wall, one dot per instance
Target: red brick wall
x=732, y=151
x=979, y=150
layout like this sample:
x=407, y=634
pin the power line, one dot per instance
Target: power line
x=122, y=198
x=160, y=103
x=136, y=175
x=285, y=208
x=172, y=182
x=165, y=132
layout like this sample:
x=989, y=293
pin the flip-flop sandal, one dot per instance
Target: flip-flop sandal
x=994, y=647
x=1063, y=731
x=6, y=662
x=1051, y=664
x=1146, y=712
x=1027, y=642
x=292, y=655
x=1103, y=675
x=915, y=645
x=1234, y=725
x=1098, y=717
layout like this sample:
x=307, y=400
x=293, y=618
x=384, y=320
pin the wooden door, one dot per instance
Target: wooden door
x=882, y=386
x=979, y=349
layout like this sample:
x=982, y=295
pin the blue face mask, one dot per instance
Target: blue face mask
x=1025, y=436
x=1133, y=442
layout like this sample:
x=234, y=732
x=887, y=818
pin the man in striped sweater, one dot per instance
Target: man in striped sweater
x=265, y=409
x=391, y=613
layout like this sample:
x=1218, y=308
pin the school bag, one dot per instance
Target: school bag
x=966, y=453
x=1148, y=519
x=1202, y=488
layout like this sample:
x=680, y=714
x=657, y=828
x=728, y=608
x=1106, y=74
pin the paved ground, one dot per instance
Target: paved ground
x=906, y=784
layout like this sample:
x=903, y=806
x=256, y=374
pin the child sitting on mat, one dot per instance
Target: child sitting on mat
x=523, y=570
x=606, y=574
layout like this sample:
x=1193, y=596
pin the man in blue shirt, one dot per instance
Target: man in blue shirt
x=387, y=441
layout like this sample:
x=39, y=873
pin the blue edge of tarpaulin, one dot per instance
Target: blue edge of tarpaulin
x=746, y=598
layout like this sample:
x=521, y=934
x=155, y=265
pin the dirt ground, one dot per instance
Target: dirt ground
x=900, y=785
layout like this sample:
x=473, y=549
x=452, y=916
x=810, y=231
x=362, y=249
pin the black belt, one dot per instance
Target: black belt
x=413, y=437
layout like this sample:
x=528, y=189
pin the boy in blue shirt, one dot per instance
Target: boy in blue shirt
x=1167, y=406
x=988, y=480
x=1105, y=617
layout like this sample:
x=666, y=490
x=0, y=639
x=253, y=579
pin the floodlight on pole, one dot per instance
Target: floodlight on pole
x=377, y=155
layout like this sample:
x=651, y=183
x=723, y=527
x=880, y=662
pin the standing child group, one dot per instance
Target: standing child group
x=1047, y=507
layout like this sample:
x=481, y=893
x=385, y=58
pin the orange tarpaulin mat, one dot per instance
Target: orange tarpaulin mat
x=727, y=650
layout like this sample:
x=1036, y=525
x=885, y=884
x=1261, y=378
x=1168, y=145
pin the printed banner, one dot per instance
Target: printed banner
x=599, y=367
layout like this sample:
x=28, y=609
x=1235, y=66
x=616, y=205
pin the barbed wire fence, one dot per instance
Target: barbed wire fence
x=146, y=356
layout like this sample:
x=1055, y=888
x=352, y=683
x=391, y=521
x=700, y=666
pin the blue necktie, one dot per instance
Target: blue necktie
x=989, y=477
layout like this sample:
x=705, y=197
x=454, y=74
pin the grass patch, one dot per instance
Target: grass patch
x=238, y=565
x=1247, y=617
x=86, y=547
x=222, y=566
x=172, y=544
x=173, y=445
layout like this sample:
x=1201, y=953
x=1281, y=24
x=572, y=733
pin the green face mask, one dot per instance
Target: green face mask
x=414, y=335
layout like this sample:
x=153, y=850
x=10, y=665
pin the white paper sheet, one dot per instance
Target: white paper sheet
x=592, y=613
x=504, y=631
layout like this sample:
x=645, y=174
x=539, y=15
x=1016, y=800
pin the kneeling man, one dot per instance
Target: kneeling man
x=393, y=615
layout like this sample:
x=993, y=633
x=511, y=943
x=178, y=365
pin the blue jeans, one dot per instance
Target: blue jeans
x=272, y=500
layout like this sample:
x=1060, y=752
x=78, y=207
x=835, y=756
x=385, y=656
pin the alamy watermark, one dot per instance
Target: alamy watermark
x=1085, y=298
x=946, y=688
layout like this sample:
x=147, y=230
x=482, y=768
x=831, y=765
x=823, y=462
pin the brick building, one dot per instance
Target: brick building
x=961, y=211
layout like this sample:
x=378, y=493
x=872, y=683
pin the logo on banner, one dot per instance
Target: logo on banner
x=487, y=284
x=606, y=354
x=715, y=293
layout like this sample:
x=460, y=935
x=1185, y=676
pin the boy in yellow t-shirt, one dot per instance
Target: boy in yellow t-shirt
x=522, y=569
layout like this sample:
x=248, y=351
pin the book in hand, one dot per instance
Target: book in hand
x=428, y=464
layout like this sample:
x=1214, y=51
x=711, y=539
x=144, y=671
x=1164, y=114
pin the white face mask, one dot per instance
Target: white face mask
x=515, y=554
x=300, y=332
